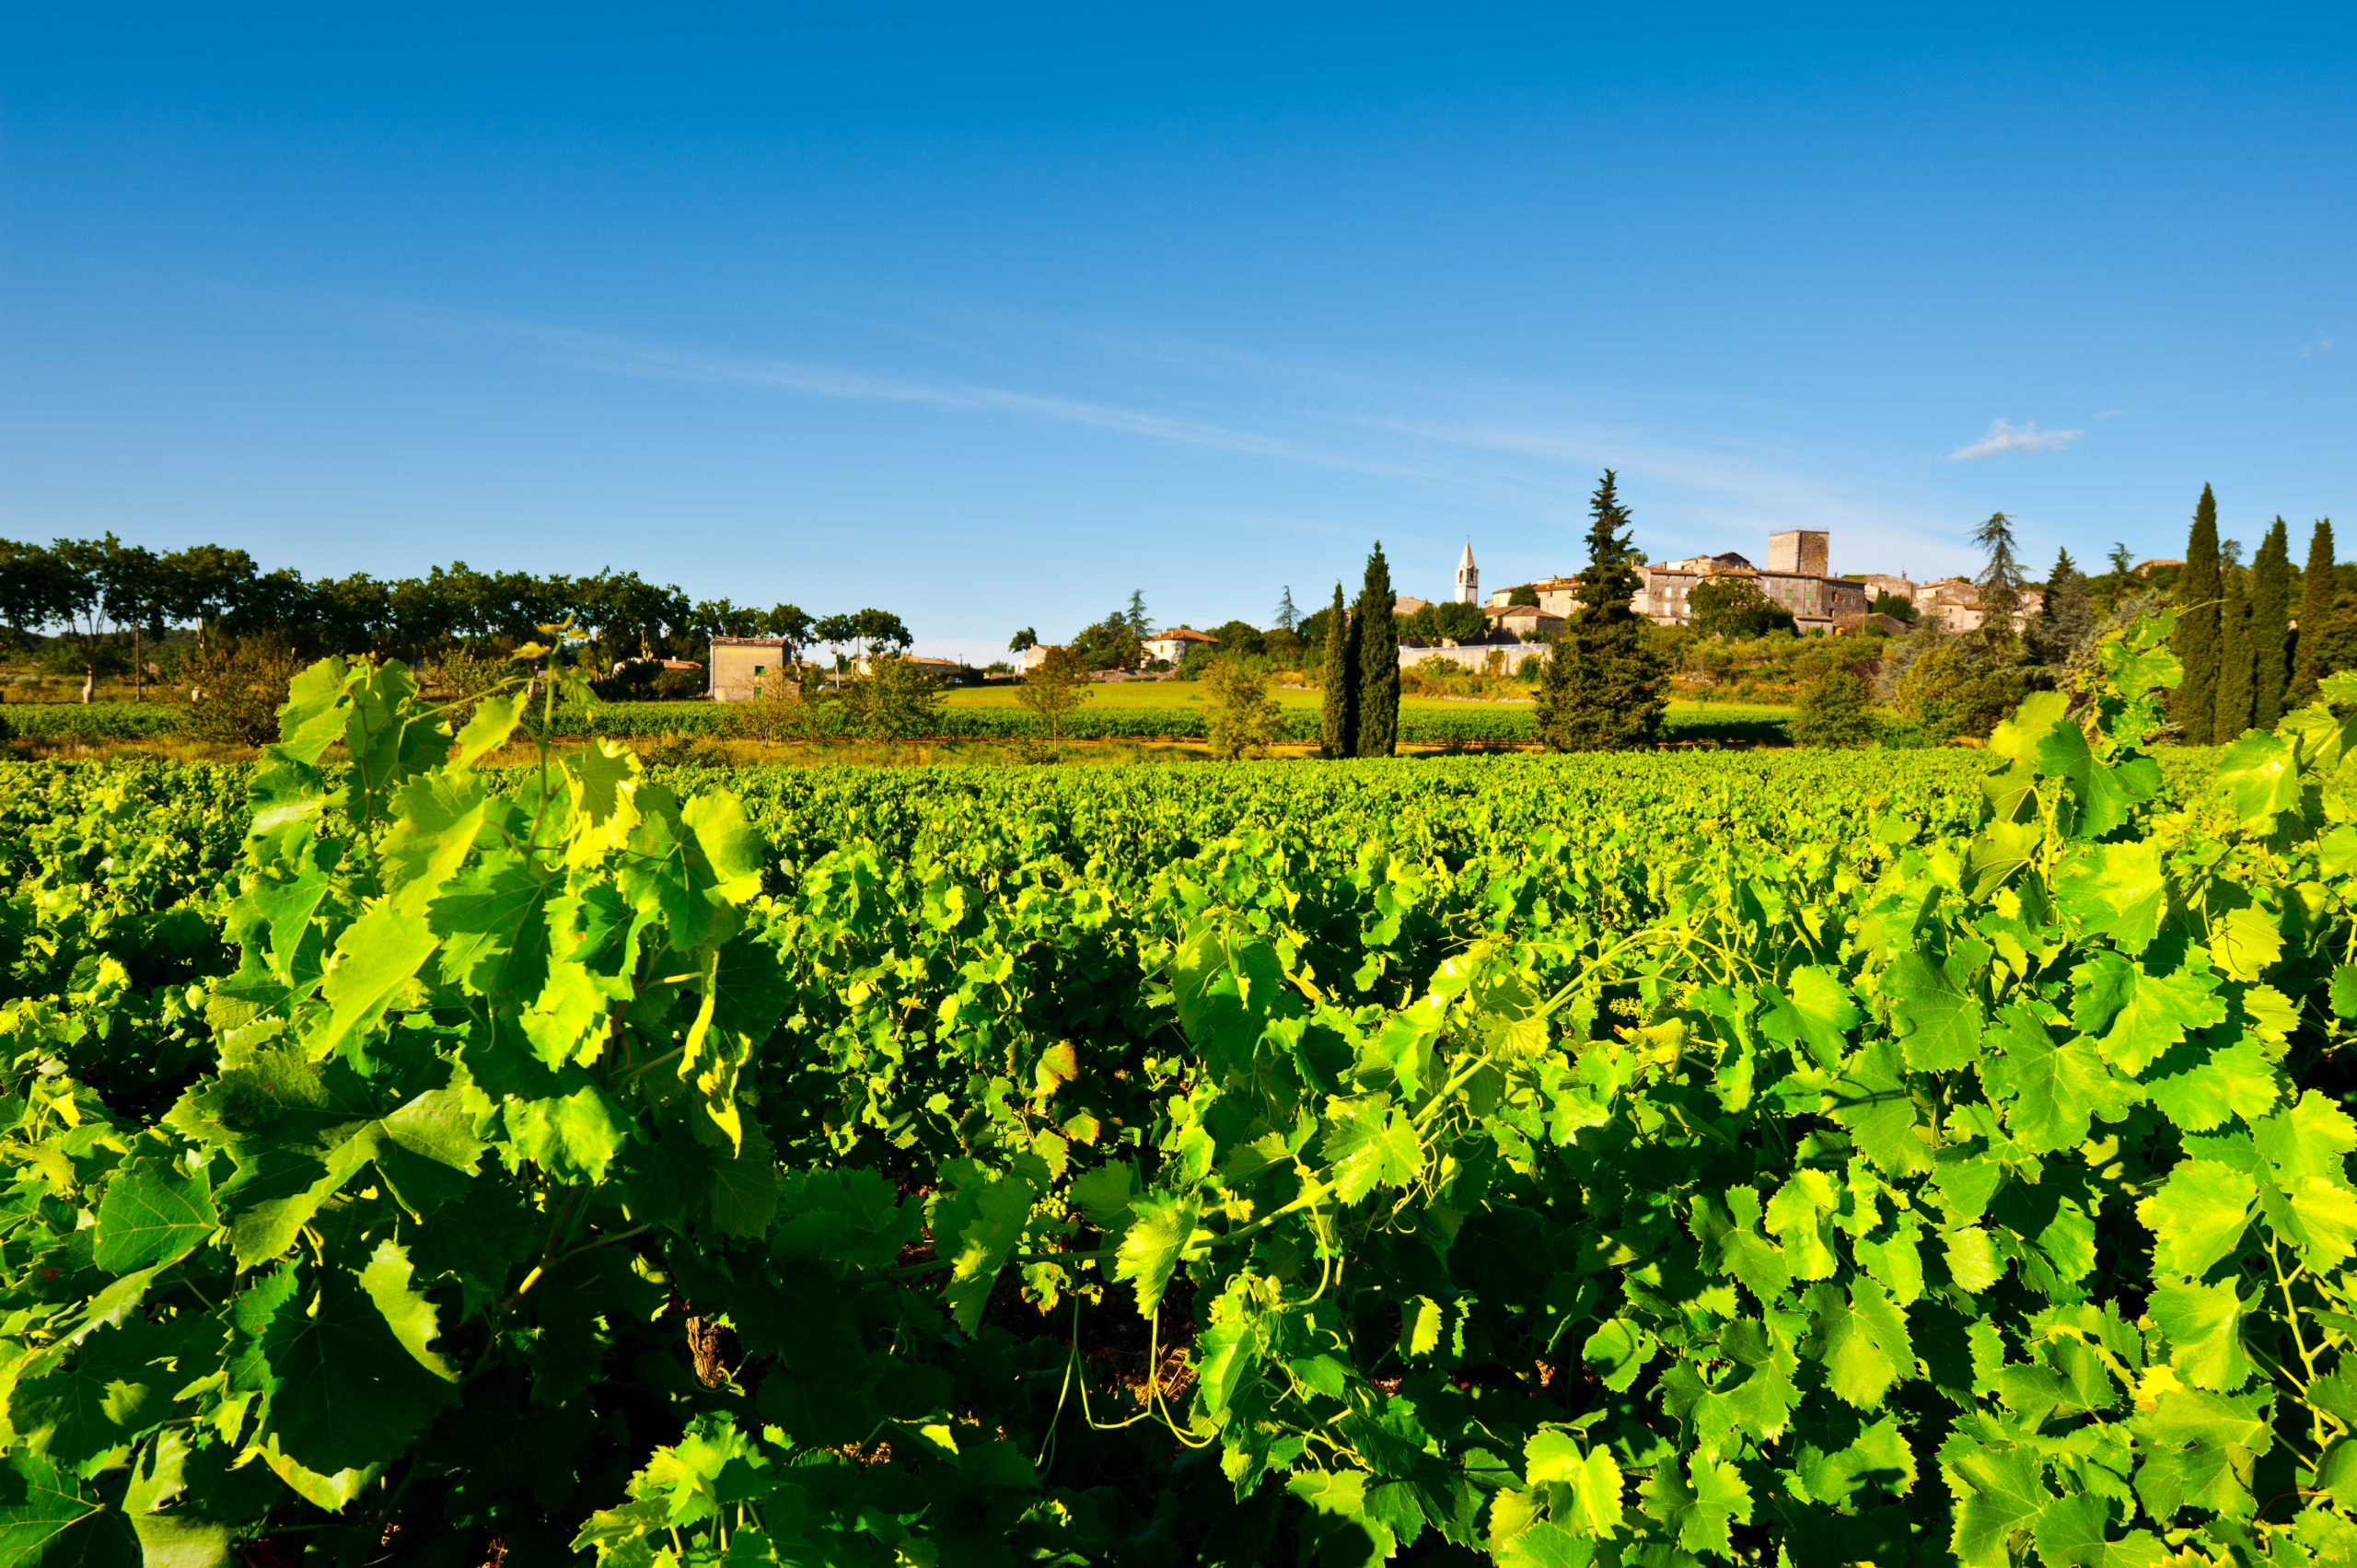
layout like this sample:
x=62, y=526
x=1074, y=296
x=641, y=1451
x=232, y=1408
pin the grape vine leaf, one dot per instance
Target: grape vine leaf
x=1999, y=1495
x=975, y=1227
x=153, y=1212
x=48, y=1520
x=2199, y=1215
x=2115, y=890
x=2311, y=1137
x=376, y=956
x=1937, y=1013
x=1370, y=1143
x=345, y=1393
x=1701, y=1505
x=2245, y=944
x=1160, y=1226
x=406, y=1311
x=1592, y=1480
x=2204, y=1327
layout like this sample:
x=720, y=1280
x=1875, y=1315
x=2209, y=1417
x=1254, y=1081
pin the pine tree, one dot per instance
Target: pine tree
x=2066, y=619
x=1287, y=616
x=2000, y=579
x=1338, y=708
x=1135, y=614
x=2315, y=610
x=1378, y=709
x=2195, y=704
x=1602, y=688
x=2114, y=582
x=2234, y=709
x=2271, y=626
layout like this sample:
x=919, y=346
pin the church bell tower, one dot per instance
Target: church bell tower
x=1469, y=577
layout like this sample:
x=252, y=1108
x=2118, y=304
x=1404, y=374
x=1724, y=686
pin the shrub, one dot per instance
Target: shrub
x=1952, y=691
x=1052, y=688
x=463, y=680
x=894, y=699
x=1837, y=709
x=235, y=687
x=1242, y=718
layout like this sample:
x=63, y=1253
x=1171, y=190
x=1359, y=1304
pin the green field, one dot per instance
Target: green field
x=1181, y=693
x=1763, y=1156
x=1130, y=711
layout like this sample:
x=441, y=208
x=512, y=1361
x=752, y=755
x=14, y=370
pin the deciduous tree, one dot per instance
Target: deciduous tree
x=1242, y=718
x=1054, y=688
x=1728, y=604
x=1837, y=709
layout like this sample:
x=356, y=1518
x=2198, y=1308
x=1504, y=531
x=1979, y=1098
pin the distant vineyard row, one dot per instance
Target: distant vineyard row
x=132, y=721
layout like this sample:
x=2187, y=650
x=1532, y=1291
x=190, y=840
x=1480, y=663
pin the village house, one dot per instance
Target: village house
x=1955, y=603
x=1556, y=594
x=1172, y=646
x=1524, y=620
x=743, y=668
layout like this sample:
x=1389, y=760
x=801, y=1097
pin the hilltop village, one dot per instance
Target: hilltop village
x=1795, y=577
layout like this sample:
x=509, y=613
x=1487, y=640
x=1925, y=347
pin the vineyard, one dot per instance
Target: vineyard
x=1478, y=725
x=1768, y=1157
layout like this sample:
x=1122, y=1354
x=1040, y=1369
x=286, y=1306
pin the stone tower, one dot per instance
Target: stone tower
x=1799, y=551
x=1469, y=577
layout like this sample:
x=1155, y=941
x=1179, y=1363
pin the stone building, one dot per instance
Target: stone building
x=1557, y=596
x=1524, y=620
x=1172, y=645
x=745, y=667
x=1955, y=603
x=1797, y=576
x=1799, y=552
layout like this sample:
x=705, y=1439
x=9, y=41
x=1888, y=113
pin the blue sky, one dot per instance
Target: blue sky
x=990, y=316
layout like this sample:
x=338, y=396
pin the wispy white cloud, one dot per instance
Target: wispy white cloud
x=2109, y=412
x=2322, y=346
x=1500, y=447
x=2002, y=436
x=611, y=356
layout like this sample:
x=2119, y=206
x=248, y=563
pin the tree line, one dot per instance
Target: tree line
x=103, y=598
x=2249, y=653
x=1601, y=687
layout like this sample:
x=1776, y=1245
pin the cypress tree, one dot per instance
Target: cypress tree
x=1337, y=707
x=2315, y=610
x=2234, y=709
x=2195, y=705
x=2336, y=644
x=1379, y=715
x=1603, y=684
x=2271, y=626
